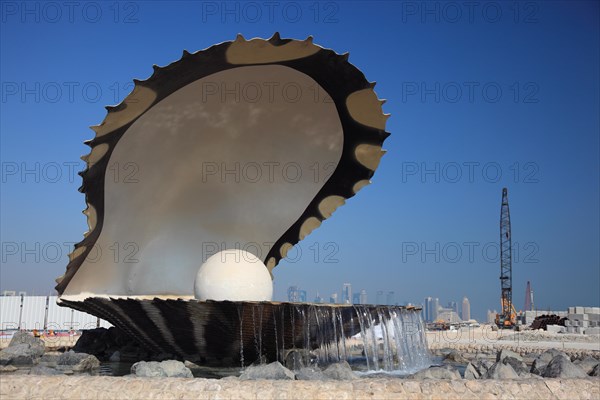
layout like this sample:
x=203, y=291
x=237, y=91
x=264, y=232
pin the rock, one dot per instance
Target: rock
x=191, y=365
x=296, y=359
x=587, y=364
x=273, y=370
x=595, y=371
x=471, y=372
x=310, y=374
x=501, y=371
x=19, y=354
x=115, y=357
x=176, y=369
x=562, y=367
x=93, y=341
x=80, y=362
x=169, y=368
x=103, y=343
x=502, y=354
x=539, y=364
x=51, y=357
x=23, y=349
x=340, y=371
x=455, y=356
x=482, y=366
x=42, y=370
x=37, y=346
x=518, y=366
x=494, y=328
x=7, y=368
x=445, y=372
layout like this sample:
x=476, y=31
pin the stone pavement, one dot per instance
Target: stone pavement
x=104, y=387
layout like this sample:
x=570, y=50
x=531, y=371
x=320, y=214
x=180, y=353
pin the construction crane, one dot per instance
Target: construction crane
x=507, y=318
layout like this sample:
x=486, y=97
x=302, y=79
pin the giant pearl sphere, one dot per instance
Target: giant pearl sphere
x=234, y=275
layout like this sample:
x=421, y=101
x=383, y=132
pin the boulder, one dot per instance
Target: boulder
x=296, y=359
x=23, y=349
x=482, y=366
x=273, y=370
x=455, y=356
x=471, y=372
x=43, y=370
x=502, y=354
x=191, y=365
x=562, y=367
x=78, y=362
x=93, y=341
x=177, y=369
x=310, y=374
x=501, y=371
x=169, y=368
x=587, y=364
x=36, y=345
x=51, y=357
x=445, y=372
x=7, y=368
x=103, y=343
x=518, y=366
x=19, y=354
x=539, y=364
x=340, y=371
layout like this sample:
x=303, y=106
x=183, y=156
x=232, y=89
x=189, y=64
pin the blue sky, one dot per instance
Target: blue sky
x=498, y=94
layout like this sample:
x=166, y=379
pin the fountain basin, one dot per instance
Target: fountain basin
x=228, y=333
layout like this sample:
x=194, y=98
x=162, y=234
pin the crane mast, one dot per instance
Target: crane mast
x=507, y=316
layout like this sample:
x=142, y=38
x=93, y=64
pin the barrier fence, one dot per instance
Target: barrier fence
x=42, y=313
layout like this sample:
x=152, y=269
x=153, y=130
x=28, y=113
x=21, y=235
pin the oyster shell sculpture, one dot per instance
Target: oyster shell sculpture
x=248, y=144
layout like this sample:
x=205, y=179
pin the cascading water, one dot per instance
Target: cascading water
x=371, y=338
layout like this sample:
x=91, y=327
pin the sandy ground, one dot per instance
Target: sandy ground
x=485, y=336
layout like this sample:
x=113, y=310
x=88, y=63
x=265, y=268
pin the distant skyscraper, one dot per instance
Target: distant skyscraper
x=333, y=298
x=302, y=296
x=491, y=316
x=435, y=308
x=294, y=294
x=466, y=309
x=428, y=309
x=356, y=298
x=379, y=298
x=363, y=297
x=391, y=298
x=318, y=299
x=347, y=293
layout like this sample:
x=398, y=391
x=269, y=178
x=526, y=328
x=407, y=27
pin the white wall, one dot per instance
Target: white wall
x=34, y=309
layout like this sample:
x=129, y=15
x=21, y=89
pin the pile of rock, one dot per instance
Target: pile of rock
x=550, y=364
x=27, y=354
x=339, y=371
